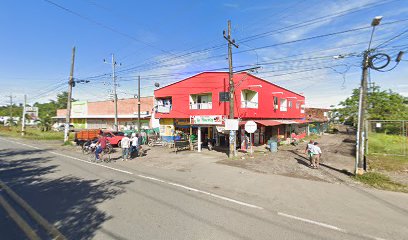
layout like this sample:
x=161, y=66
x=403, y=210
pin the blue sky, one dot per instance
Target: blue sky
x=165, y=41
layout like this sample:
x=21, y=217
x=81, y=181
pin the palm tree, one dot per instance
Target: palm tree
x=45, y=123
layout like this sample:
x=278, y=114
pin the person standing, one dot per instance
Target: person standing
x=125, y=144
x=135, y=145
x=317, y=153
x=309, y=153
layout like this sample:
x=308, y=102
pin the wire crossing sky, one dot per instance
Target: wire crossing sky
x=304, y=45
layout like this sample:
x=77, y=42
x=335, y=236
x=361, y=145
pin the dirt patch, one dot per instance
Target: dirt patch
x=338, y=156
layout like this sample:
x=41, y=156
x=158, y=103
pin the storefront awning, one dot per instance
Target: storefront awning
x=302, y=121
x=268, y=122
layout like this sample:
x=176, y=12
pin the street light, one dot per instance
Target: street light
x=376, y=21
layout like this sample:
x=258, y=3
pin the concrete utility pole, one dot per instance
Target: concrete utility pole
x=11, y=109
x=362, y=110
x=24, y=116
x=232, y=137
x=70, y=85
x=138, y=104
x=115, y=97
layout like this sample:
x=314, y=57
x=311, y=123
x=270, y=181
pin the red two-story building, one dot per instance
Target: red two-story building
x=201, y=102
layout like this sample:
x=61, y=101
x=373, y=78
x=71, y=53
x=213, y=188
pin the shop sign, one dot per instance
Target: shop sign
x=182, y=122
x=231, y=124
x=209, y=120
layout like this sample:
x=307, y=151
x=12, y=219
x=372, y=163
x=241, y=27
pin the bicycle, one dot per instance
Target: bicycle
x=104, y=156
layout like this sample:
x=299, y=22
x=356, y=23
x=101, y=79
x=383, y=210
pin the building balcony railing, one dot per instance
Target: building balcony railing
x=201, y=105
x=249, y=104
x=163, y=109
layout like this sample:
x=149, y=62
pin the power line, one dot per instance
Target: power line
x=220, y=46
x=391, y=39
x=312, y=21
x=106, y=26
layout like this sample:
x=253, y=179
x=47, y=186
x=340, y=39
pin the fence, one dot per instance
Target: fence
x=388, y=137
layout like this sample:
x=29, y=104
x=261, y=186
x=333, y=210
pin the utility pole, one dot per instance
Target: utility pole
x=138, y=104
x=115, y=95
x=11, y=110
x=362, y=110
x=24, y=116
x=232, y=137
x=361, y=133
x=70, y=85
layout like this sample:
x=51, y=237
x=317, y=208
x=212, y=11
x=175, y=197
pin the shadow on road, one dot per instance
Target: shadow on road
x=68, y=202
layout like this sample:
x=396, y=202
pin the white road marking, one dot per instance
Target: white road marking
x=312, y=222
x=325, y=225
x=201, y=191
x=149, y=178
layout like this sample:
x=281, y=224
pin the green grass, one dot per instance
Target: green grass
x=380, y=181
x=33, y=133
x=383, y=152
x=381, y=143
x=388, y=163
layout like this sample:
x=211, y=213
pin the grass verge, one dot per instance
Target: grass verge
x=382, y=143
x=33, y=133
x=380, y=181
x=388, y=163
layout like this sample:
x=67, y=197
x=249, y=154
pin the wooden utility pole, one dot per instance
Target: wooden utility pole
x=23, y=128
x=232, y=136
x=138, y=104
x=70, y=85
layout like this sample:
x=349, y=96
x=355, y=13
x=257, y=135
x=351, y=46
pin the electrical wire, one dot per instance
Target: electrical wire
x=312, y=21
x=207, y=50
x=391, y=39
x=106, y=27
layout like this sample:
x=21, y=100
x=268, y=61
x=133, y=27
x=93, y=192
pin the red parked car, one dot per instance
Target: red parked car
x=114, y=138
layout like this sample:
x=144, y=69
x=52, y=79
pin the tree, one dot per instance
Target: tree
x=50, y=108
x=45, y=123
x=382, y=105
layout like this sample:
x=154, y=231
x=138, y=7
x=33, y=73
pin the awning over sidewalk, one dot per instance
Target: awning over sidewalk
x=302, y=121
x=268, y=122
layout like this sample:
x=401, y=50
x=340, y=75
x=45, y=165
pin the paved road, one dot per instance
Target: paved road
x=91, y=201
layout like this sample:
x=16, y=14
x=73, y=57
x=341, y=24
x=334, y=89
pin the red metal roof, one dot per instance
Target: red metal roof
x=268, y=122
x=301, y=121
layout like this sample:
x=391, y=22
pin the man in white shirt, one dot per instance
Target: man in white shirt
x=125, y=144
x=135, y=145
x=317, y=153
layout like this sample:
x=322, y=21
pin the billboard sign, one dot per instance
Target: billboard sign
x=32, y=112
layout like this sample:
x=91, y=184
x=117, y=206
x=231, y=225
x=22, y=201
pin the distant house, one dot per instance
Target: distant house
x=101, y=114
x=318, y=118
